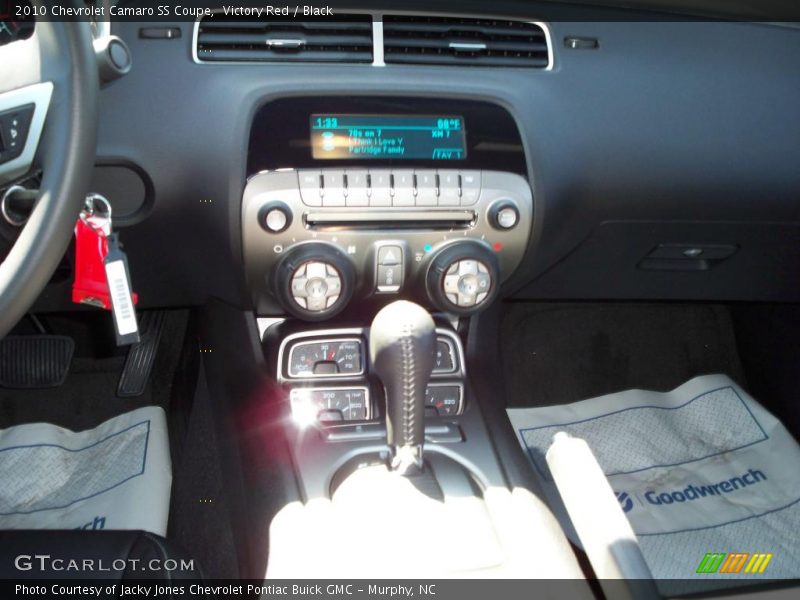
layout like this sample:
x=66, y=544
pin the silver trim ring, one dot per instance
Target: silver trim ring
x=4, y=209
x=89, y=206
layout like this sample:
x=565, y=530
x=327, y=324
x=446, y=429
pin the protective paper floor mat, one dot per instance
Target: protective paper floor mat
x=701, y=470
x=115, y=476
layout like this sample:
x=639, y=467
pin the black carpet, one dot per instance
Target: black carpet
x=88, y=396
x=560, y=353
x=200, y=519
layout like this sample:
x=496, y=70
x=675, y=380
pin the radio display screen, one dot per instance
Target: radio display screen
x=403, y=137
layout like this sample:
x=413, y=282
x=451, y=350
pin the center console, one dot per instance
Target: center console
x=397, y=216
x=391, y=453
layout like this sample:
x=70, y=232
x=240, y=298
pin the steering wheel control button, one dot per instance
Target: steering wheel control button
x=14, y=125
x=470, y=187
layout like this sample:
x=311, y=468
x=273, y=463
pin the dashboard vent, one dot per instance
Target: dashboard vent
x=345, y=38
x=462, y=41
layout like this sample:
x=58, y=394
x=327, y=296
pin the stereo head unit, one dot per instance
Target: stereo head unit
x=352, y=201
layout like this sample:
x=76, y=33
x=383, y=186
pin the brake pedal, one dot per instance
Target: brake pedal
x=35, y=361
x=141, y=356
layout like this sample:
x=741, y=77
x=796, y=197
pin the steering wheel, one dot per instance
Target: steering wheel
x=55, y=70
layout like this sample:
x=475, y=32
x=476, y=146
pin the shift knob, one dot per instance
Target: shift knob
x=402, y=348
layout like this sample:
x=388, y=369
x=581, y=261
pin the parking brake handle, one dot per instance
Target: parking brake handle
x=402, y=347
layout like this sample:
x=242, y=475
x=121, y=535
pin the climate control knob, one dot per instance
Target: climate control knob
x=314, y=281
x=463, y=278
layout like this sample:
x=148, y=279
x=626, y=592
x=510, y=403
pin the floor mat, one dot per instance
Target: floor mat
x=557, y=353
x=702, y=470
x=115, y=476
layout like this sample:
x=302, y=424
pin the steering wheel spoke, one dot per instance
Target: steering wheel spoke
x=22, y=117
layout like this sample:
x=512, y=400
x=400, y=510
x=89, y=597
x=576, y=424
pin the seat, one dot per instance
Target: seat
x=116, y=556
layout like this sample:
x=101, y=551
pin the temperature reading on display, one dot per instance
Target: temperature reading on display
x=399, y=137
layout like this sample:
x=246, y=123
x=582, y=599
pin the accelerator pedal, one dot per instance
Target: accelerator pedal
x=35, y=361
x=141, y=356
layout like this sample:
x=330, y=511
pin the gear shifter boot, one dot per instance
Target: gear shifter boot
x=402, y=347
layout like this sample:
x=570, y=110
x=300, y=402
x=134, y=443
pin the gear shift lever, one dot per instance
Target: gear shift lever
x=402, y=347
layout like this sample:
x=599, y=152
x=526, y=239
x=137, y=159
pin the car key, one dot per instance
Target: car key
x=102, y=278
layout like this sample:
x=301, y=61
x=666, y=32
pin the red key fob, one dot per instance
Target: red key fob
x=91, y=283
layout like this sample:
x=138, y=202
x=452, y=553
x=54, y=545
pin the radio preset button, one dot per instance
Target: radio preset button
x=357, y=187
x=310, y=187
x=427, y=190
x=380, y=193
x=403, y=188
x=333, y=187
x=470, y=187
x=449, y=191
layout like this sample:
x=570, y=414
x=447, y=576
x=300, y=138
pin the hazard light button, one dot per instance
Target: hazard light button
x=390, y=255
x=390, y=269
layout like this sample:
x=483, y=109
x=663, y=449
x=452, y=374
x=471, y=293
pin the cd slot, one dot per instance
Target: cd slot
x=429, y=220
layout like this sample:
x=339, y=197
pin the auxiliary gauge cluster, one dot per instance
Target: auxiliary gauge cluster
x=326, y=373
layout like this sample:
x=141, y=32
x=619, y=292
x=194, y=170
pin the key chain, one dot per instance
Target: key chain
x=102, y=278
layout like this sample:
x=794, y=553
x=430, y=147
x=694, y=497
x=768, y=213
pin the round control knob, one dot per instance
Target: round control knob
x=504, y=215
x=275, y=217
x=463, y=278
x=314, y=281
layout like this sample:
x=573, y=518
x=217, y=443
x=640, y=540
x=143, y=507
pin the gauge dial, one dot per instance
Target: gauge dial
x=328, y=358
x=330, y=404
x=444, y=399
